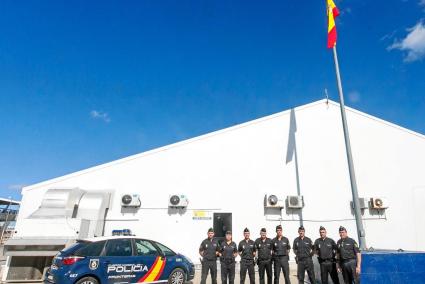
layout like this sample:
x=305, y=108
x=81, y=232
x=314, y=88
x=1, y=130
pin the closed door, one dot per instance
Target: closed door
x=222, y=223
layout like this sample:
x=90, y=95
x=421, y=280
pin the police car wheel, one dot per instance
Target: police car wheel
x=177, y=277
x=87, y=280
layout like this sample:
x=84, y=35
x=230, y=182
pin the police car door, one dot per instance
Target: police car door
x=118, y=262
x=153, y=262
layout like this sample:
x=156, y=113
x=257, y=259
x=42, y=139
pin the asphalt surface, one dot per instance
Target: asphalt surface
x=292, y=272
x=197, y=280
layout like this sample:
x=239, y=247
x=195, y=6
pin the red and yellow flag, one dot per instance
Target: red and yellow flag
x=333, y=12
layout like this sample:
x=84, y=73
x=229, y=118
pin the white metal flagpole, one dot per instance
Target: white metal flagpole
x=359, y=222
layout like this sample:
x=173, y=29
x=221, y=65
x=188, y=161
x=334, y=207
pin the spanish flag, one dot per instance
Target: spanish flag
x=333, y=12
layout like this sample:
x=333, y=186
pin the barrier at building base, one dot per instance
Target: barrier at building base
x=387, y=267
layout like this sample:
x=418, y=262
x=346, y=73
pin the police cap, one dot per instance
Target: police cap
x=228, y=232
x=278, y=227
x=301, y=228
x=246, y=230
x=342, y=229
x=210, y=230
x=322, y=228
x=263, y=230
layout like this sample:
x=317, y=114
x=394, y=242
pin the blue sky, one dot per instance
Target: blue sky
x=86, y=82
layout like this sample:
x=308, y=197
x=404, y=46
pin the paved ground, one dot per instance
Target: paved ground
x=197, y=280
x=293, y=273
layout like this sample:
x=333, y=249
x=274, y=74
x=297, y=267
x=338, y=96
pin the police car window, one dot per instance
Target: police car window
x=118, y=247
x=91, y=249
x=166, y=251
x=144, y=247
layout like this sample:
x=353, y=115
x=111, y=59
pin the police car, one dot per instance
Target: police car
x=106, y=260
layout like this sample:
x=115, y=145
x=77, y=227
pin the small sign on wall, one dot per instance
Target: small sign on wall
x=201, y=215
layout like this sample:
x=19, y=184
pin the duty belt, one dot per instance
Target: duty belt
x=326, y=260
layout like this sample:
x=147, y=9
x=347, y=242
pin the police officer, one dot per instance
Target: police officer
x=246, y=250
x=263, y=245
x=228, y=251
x=349, y=257
x=281, y=248
x=303, y=249
x=209, y=251
x=325, y=248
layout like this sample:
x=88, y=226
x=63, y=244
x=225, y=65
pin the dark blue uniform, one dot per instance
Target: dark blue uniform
x=303, y=249
x=227, y=261
x=326, y=253
x=264, y=253
x=208, y=249
x=246, y=249
x=281, y=248
x=347, y=250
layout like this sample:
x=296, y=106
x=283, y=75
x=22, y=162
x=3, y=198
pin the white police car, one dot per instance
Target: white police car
x=119, y=259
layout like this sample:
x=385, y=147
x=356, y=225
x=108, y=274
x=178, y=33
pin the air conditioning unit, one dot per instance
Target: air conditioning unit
x=362, y=202
x=295, y=202
x=271, y=201
x=378, y=203
x=178, y=201
x=130, y=200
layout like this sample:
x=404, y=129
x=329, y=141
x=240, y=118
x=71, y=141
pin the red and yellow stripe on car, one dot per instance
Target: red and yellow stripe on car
x=155, y=271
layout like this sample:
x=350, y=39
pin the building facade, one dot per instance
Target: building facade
x=228, y=176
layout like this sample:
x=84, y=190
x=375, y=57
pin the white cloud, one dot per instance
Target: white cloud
x=354, y=96
x=96, y=114
x=413, y=44
x=16, y=186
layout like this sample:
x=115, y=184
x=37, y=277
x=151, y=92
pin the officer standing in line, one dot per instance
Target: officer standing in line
x=263, y=245
x=209, y=251
x=228, y=251
x=349, y=257
x=325, y=248
x=281, y=248
x=246, y=250
x=303, y=249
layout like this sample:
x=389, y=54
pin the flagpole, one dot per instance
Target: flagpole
x=359, y=222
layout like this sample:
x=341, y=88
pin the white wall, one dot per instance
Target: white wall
x=232, y=169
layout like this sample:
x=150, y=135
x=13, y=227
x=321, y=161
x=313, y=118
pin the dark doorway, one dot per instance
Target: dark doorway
x=222, y=223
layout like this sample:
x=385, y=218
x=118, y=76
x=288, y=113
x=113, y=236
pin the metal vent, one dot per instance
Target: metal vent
x=126, y=199
x=272, y=200
x=174, y=200
x=293, y=200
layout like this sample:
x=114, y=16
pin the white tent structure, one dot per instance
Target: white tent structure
x=227, y=177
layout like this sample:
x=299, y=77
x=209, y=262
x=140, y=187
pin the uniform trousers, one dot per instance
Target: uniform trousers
x=211, y=266
x=247, y=265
